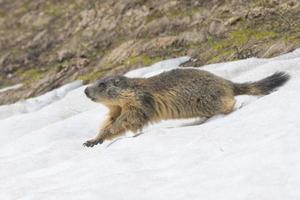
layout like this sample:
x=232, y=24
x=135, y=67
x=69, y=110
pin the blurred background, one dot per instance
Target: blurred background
x=47, y=43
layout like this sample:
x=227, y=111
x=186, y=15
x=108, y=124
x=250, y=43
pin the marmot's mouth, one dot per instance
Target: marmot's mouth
x=91, y=98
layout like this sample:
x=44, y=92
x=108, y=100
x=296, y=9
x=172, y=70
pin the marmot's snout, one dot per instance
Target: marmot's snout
x=88, y=93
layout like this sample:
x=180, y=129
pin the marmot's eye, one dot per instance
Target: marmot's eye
x=101, y=85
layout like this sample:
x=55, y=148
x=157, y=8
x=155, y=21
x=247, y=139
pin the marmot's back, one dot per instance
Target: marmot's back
x=185, y=93
x=182, y=78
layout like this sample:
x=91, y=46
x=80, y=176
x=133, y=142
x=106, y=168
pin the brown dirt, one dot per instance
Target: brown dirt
x=45, y=44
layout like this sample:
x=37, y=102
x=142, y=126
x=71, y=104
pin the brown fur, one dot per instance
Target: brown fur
x=179, y=93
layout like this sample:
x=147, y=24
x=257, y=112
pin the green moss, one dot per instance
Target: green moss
x=141, y=2
x=154, y=15
x=25, y=7
x=5, y=82
x=217, y=44
x=225, y=48
x=143, y=60
x=220, y=57
x=243, y=36
x=240, y=38
x=60, y=65
x=173, y=13
x=55, y=10
x=92, y=76
x=15, y=52
x=59, y=8
x=2, y=13
x=295, y=39
x=30, y=75
x=264, y=3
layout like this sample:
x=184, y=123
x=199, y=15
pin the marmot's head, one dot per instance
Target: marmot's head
x=109, y=90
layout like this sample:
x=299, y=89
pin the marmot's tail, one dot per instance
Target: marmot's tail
x=262, y=87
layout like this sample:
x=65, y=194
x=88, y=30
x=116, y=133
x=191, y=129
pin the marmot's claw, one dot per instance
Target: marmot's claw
x=88, y=144
x=91, y=143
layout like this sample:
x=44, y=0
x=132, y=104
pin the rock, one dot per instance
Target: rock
x=291, y=3
x=194, y=36
x=157, y=26
x=65, y=55
x=107, y=35
x=233, y=20
x=192, y=63
x=274, y=2
x=82, y=62
x=256, y=13
x=4, y=60
x=87, y=16
x=277, y=48
x=216, y=28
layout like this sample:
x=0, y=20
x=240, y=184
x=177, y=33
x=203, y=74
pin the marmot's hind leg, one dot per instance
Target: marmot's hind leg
x=228, y=103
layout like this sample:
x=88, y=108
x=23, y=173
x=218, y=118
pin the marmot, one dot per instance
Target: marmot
x=179, y=93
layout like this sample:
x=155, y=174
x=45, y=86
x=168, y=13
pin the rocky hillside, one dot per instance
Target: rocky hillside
x=47, y=43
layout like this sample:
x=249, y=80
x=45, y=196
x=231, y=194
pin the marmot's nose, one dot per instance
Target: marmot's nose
x=86, y=91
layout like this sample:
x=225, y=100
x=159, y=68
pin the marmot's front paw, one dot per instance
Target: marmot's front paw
x=93, y=142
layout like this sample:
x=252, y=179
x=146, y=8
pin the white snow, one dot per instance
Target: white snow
x=13, y=87
x=252, y=153
x=37, y=103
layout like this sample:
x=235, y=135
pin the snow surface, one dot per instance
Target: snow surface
x=13, y=87
x=252, y=153
x=37, y=103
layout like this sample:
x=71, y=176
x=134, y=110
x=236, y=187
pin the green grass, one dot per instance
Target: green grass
x=2, y=13
x=172, y=14
x=143, y=60
x=223, y=56
x=55, y=10
x=92, y=76
x=240, y=38
x=30, y=75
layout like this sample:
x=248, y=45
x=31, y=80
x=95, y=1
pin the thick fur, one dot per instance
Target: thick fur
x=262, y=87
x=179, y=93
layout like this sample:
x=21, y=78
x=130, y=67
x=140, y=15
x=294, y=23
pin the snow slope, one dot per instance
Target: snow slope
x=14, y=87
x=37, y=103
x=252, y=153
